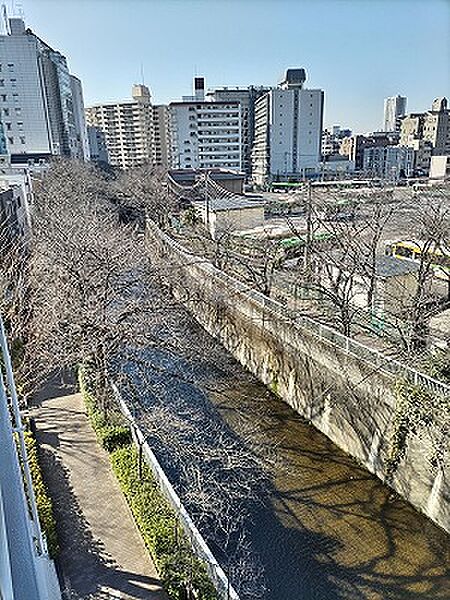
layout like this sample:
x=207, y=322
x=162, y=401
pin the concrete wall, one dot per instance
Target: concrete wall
x=345, y=396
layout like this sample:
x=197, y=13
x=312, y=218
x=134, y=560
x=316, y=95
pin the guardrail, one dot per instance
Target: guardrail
x=26, y=570
x=200, y=547
x=274, y=309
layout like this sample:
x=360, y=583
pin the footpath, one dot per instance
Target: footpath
x=102, y=555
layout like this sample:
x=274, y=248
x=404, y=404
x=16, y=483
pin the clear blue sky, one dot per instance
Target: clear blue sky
x=358, y=51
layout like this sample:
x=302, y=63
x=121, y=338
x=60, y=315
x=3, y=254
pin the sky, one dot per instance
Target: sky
x=358, y=51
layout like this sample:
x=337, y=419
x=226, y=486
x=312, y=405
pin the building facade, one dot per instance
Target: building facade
x=288, y=131
x=161, y=128
x=81, y=149
x=247, y=98
x=389, y=162
x=332, y=139
x=204, y=133
x=40, y=101
x=97, y=146
x=353, y=147
x=428, y=134
x=127, y=127
x=394, y=109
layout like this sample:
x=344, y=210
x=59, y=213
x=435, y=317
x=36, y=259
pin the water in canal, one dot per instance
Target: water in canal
x=326, y=529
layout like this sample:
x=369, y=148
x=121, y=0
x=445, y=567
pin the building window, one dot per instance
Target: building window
x=20, y=125
x=22, y=139
x=6, y=112
x=13, y=83
x=16, y=97
x=11, y=140
x=10, y=67
x=3, y=97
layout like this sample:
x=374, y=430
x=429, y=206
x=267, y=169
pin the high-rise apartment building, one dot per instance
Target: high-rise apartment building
x=161, y=130
x=205, y=133
x=127, y=127
x=247, y=98
x=288, y=131
x=394, y=109
x=40, y=101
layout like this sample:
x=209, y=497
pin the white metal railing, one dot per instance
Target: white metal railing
x=26, y=570
x=200, y=547
x=272, y=308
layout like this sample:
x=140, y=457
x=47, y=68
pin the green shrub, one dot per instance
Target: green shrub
x=114, y=436
x=158, y=525
x=43, y=501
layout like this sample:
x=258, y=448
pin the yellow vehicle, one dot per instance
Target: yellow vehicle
x=437, y=255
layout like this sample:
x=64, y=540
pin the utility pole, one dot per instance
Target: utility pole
x=307, y=254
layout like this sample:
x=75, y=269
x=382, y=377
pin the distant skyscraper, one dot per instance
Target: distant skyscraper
x=288, y=131
x=127, y=127
x=394, y=108
x=40, y=101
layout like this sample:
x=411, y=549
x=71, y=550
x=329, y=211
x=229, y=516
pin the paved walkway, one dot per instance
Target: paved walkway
x=101, y=552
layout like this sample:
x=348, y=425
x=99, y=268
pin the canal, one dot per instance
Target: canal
x=324, y=528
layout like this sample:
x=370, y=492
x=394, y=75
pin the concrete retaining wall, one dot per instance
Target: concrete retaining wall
x=349, y=398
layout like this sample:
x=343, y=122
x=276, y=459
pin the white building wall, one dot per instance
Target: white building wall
x=206, y=135
x=295, y=131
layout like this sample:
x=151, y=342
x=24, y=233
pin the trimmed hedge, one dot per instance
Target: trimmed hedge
x=159, y=528
x=156, y=520
x=43, y=501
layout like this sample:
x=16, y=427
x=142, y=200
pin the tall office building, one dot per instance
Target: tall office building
x=40, y=101
x=394, y=109
x=247, y=98
x=288, y=131
x=127, y=127
x=205, y=133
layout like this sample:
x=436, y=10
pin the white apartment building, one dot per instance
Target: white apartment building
x=161, y=135
x=288, y=131
x=128, y=128
x=394, y=109
x=39, y=100
x=205, y=134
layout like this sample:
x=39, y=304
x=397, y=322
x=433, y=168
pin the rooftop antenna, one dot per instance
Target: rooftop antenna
x=142, y=73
